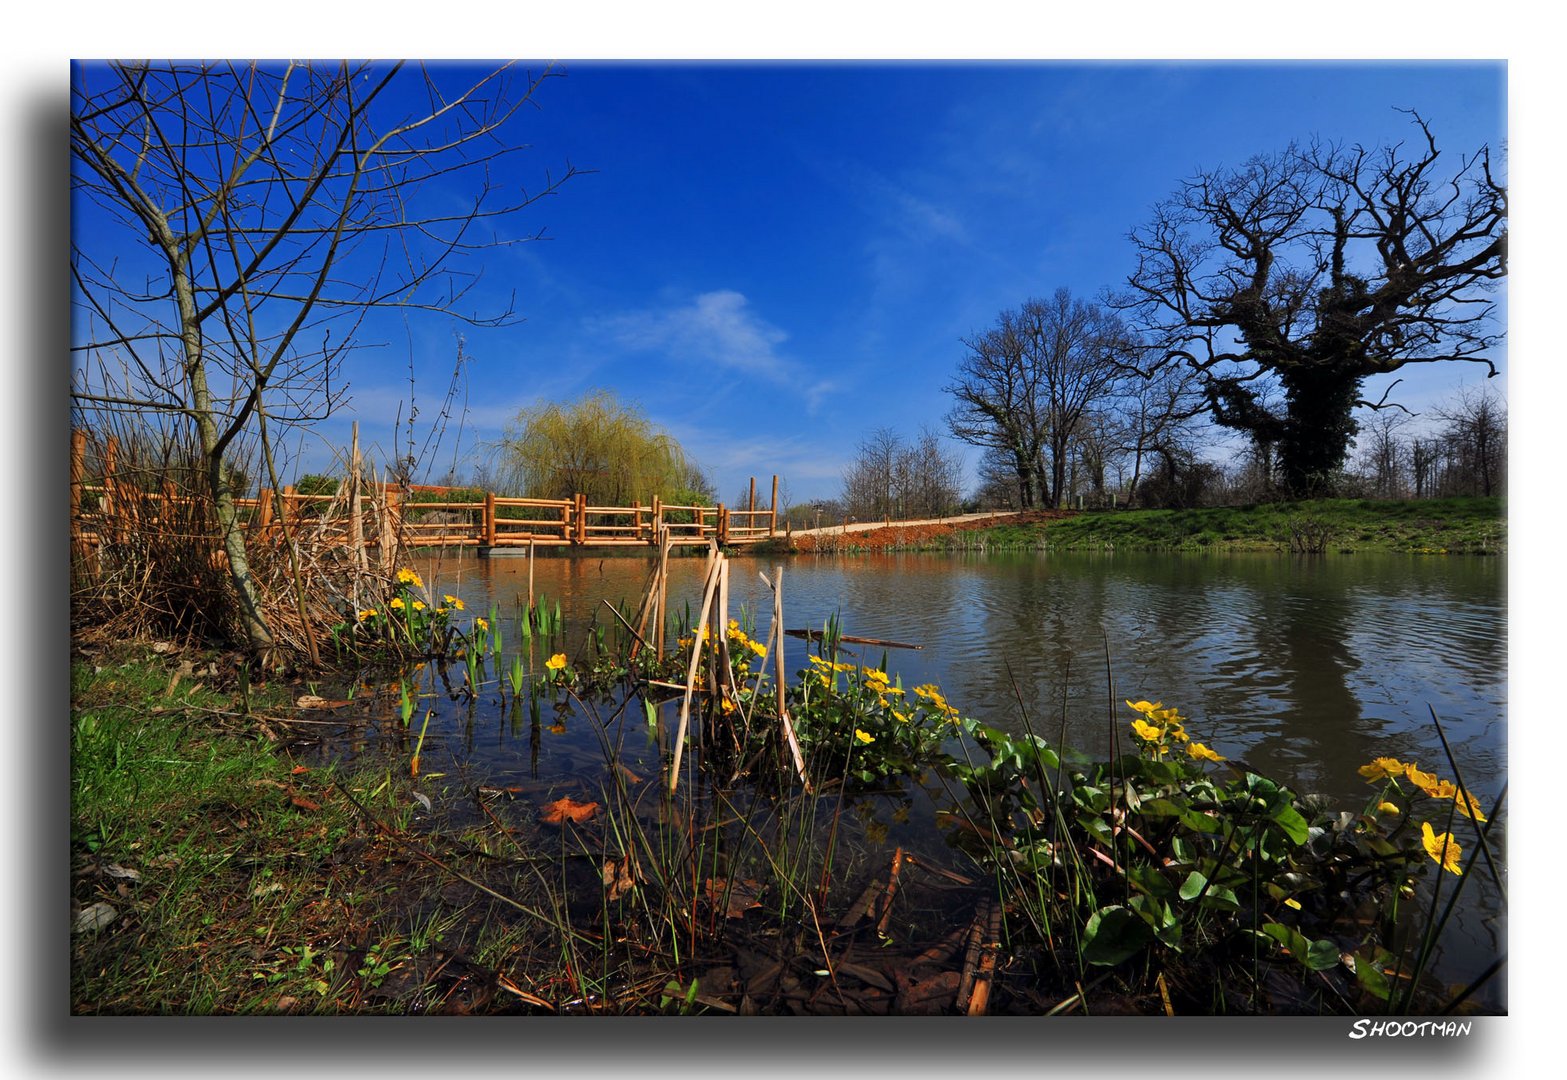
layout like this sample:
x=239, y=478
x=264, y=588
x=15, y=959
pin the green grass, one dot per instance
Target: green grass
x=1428, y=526
x=240, y=882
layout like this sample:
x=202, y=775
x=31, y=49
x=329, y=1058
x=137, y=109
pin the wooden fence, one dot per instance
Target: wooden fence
x=112, y=505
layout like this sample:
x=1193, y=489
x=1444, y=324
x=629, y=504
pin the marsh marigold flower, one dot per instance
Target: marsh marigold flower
x=556, y=662
x=1146, y=731
x=1468, y=806
x=408, y=577
x=1382, y=768
x=864, y=736
x=1387, y=809
x=453, y=601
x=1441, y=847
x=396, y=602
x=368, y=614
x=1426, y=782
x=481, y=624
x=1202, y=753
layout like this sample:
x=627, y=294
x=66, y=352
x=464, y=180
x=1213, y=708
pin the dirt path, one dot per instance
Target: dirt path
x=864, y=526
x=880, y=534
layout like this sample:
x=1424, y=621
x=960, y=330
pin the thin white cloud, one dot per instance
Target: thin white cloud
x=713, y=328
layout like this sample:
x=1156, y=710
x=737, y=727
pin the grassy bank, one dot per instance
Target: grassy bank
x=212, y=873
x=1470, y=526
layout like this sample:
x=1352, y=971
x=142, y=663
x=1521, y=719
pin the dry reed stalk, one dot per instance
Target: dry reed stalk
x=709, y=589
x=785, y=723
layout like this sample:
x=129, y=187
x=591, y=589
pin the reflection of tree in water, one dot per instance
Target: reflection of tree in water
x=1287, y=685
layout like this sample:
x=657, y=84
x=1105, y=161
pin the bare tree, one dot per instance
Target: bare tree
x=1474, y=439
x=1026, y=385
x=893, y=480
x=1314, y=269
x=1384, y=454
x=236, y=223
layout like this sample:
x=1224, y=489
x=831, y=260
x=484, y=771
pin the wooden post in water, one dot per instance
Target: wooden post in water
x=750, y=500
x=723, y=525
x=489, y=519
x=582, y=518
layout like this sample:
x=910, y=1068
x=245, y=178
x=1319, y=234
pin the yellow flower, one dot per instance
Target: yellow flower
x=556, y=662
x=727, y=706
x=1145, y=707
x=396, y=602
x=1381, y=768
x=452, y=600
x=369, y=614
x=481, y=624
x=1147, y=731
x=863, y=736
x=872, y=675
x=756, y=647
x=1387, y=809
x=408, y=577
x=1423, y=780
x=1468, y=807
x=1290, y=901
x=1202, y=753
x=900, y=717
x=1441, y=847
x=1442, y=789
x=418, y=605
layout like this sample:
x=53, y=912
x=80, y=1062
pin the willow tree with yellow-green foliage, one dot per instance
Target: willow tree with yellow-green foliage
x=602, y=448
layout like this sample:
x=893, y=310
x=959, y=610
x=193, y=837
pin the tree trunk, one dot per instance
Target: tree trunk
x=258, y=636
x=1319, y=424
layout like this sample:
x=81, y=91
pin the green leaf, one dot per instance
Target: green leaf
x=1288, y=819
x=1193, y=886
x=1114, y=934
x=1321, y=955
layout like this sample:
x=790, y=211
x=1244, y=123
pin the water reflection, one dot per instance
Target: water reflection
x=1306, y=667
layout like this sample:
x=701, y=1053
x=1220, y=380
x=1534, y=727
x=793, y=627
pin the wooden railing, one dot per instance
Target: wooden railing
x=106, y=506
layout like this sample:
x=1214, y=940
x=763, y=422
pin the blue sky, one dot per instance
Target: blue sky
x=776, y=259
x=773, y=260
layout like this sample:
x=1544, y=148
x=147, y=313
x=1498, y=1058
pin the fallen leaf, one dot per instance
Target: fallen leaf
x=303, y=803
x=737, y=896
x=116, y=870
x=621, y=876
x=424, y=800
x=561, y=809
x=95, y=917
x=297, y=769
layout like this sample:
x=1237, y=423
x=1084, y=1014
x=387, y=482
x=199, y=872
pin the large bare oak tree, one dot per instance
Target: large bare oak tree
x=1312, y=270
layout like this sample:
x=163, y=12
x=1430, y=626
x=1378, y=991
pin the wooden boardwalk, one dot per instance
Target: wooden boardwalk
x=113, y=505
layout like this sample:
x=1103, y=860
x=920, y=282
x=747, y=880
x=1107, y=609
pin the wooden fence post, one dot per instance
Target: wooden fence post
x=582, y=518
x=723, y=525
x=489, y=519
x=657, y=522
x=284, y=514
x=263, y=519
x=772, y=515
x=79, y=559
x=108, y=502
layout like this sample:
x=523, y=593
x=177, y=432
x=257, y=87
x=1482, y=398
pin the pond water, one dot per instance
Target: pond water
x=1306, y=668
